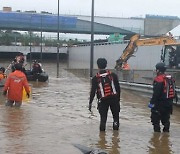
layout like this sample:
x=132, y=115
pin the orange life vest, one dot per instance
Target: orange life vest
x=3, y=76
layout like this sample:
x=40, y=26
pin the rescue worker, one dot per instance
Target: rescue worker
x=125, y=66
x=36, y=68
x=106, y=85
x=161, y=103
x=19, y=58
x=13, y=87
x=125, y=72
x=170, y=35
x=2, y=74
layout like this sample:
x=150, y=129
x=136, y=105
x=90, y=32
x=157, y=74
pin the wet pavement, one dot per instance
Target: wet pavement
x=57, y=116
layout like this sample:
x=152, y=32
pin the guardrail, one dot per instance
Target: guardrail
x=101, y=43
x=143, y=88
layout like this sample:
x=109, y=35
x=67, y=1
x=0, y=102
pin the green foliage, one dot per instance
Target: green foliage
x=11, y=38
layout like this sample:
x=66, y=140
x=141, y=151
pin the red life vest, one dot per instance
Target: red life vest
x=169, y=86
x=106, y=86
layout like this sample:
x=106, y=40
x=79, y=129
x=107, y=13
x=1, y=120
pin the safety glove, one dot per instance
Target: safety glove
x=150, y=105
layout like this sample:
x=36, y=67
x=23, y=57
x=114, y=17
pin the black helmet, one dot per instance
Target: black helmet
x=161, y=67
x=102, y=63
x=18, y=66
x=20, y=54
x=2, y=69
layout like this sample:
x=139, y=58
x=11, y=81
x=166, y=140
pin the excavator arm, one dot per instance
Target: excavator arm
x=135, y=41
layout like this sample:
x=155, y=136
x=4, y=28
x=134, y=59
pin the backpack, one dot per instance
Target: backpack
x=169, y=87
x=106, y=86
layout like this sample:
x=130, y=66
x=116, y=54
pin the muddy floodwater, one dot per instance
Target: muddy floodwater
x=57, y=117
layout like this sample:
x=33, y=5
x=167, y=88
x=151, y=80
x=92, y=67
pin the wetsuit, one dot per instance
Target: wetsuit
x=162, y=105
x=105, y=103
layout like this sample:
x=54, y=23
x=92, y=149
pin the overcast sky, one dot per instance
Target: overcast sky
x=114, y=8
x=108, y=8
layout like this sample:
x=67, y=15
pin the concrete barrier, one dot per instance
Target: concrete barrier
x=143, y=88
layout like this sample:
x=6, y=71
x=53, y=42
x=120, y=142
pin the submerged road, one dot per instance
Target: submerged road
x=57, y=117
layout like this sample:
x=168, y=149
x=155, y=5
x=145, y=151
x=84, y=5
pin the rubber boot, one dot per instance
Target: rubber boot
x=166, y=127
x=115, y=126
x=157, y=128
x=102, y=127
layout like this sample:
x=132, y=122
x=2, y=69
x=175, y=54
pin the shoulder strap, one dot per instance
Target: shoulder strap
x=169, y=86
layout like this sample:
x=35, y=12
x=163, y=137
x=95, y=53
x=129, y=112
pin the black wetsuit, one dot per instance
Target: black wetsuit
x=104, y=104
x=162, y=105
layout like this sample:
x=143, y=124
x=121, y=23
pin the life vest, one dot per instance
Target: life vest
x=169, y=86
x=106, y=86
x=3, y=76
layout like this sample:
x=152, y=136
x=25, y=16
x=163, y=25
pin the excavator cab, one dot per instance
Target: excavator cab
x=171, y=56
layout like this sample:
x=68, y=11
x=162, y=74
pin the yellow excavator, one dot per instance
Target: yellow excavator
x=136, y=41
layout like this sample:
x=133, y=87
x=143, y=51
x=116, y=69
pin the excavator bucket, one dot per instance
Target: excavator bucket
x=128, y=52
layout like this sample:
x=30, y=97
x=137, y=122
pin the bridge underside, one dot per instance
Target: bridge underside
x=49, y=23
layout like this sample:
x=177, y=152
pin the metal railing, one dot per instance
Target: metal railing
x=143, y=88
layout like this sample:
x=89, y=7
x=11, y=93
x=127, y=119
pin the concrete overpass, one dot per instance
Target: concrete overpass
x=49, y=23
x=151, y=25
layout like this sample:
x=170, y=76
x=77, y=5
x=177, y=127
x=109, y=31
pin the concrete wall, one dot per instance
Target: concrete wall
x=26, y=49
x=144, y=59
x=158, y=26
x=142, y=64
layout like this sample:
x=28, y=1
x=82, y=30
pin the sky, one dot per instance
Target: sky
x=107, y=8
x=114, y=8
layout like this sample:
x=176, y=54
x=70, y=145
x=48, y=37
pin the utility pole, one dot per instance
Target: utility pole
x=41, y=38
x=58, y=43
x=92, y=41
x=30, y=58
